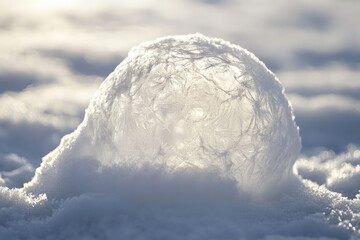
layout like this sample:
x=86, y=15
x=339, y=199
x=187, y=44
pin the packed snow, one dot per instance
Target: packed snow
x=189, y=138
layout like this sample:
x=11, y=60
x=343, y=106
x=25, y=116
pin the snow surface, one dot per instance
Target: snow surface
x=189, y=138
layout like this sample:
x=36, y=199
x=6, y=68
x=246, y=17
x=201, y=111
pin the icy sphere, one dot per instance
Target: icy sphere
x=190, y=101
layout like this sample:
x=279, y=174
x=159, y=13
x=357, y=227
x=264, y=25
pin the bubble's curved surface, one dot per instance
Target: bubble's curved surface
x=188, y=101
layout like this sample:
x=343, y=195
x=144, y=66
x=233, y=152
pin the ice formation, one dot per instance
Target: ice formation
x=187, y=101
x=176, y=144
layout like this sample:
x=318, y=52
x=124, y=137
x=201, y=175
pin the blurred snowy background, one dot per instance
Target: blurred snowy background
x=55, y=54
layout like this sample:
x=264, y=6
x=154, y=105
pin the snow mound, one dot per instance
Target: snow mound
x=185, y=102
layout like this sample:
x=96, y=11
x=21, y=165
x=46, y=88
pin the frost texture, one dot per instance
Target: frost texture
x=188, y=101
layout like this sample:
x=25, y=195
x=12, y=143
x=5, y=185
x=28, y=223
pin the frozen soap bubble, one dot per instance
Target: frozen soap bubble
x=186, y=102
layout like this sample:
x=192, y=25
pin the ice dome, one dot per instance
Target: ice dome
x=184, y=102
x=189, y=138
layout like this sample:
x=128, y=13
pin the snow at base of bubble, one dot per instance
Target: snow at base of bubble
x=192, y=204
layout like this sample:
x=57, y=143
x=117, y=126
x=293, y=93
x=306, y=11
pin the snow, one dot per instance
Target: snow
x=189, y=138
